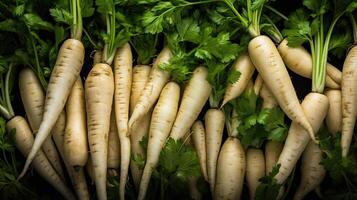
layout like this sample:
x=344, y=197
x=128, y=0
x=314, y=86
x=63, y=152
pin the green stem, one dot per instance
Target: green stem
x=90, y=39
x=5, y=113
x=354, y=27
x=277, y=12
x=37, y=62
x=242, y=19
x=77, y=24
x=7, y=92
x=274, y=33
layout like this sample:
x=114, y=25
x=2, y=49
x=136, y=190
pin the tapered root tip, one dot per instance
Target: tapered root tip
x=24, y=170
x=225, y=101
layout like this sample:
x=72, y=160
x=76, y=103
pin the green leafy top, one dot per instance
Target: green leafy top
x=177, y=163
x=268, y=187
x=314, y=24
x=341, y=171
x=71, y=12
x=257, y=124
x=196, y=40
x=114, y=20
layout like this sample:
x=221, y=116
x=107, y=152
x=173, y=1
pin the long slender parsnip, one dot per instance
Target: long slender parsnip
x=99, y=91
x=231, y=168
x=33, y=98
x=214, y=123
x=157, y=80
x=65, y=72
x=194, y=98
x=349, y=99
x=77, y=176
x=24, y=141
x=199, y=140
x=312, y=173
x=162, y=119
x=123, y=64
x=75, y=138
x=271, y=68
x=315, y=106
x=141, y=128
x=244, y=65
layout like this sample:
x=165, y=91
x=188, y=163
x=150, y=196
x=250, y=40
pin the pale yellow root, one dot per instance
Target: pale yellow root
x=77, y=176
x=233, y=124
x=258, y=84
x=312, y=173
x=97, y=58
x=33, y=98
x=271, y=68
x=24, y=141
x=299, y=61
x=99, y=91
x=214, y=123
x=162, y=120
x=349, y=99
x=199, y=140
x=272, y=153
x=65, y=72
x=113, y=161
x=75, y=138
x=334, y=114
x=244, y=65
x=194, y=98
x=269, y=100
x=123, y=64
x=315, y=106
x=231, y=168
x=157, y=80
x=141, y=128
x=255, y=169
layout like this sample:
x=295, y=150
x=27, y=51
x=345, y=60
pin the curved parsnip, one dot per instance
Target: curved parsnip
x=77, y=176
x=334, y=114
x=162, y=119
x=214, y=123
x=312, y=173
x=157, y=80
x=244, y=65
x=315, y=106
x=349, y=99
x=99, y=91
x=65, y=72
x=270, y=66
x=299, y=61
x=113, y=161
x=75, y=138
x=269, y=100
x=24, y=141
x=194, y=98
x=33, y=98
x=255, y=169
x=230, y=170
x=139, y=129
x=123, y=64
x=199, y=140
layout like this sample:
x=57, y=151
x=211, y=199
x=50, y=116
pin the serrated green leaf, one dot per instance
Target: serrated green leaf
x=61, y=15
x=34, y=22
